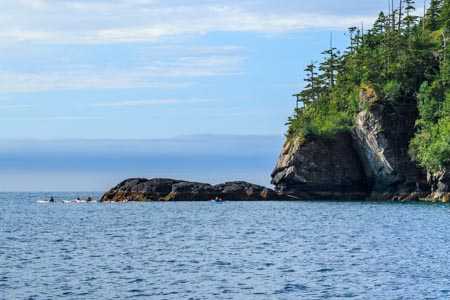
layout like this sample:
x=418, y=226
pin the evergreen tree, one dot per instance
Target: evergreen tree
x=432, y=14
x=398, y=58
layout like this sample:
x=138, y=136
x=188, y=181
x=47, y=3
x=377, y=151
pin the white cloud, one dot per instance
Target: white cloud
x=161, y=74
x=151, y=102
x=16, y=107
x=198, y=66
x=43, y=119
x=126, y=21
x=15, y=82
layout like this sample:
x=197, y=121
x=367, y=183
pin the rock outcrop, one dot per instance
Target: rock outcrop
x=381, y=137
x=158, y=189
x=371, y=162
x=321, y=169
x=440, y=185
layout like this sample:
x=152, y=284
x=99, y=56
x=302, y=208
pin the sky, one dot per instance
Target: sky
x=95, y=91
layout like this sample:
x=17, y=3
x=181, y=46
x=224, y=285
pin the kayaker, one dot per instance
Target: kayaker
x=52, y=199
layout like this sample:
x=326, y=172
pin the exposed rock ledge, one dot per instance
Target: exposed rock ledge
x=321, y=169
x=440, y=185
x=159, y=189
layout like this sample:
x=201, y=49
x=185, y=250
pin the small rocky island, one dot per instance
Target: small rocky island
x=161, y=189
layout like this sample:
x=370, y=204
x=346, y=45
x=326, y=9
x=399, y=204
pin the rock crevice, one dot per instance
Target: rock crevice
x=381, y=137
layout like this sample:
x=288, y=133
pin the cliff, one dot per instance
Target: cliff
x=321, y=169
x=370, y=162
x=159, y=189
x=381, y=136
x=390, y=90
x=440, y=185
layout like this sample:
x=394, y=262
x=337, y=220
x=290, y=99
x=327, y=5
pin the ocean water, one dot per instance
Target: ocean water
x=238, y=250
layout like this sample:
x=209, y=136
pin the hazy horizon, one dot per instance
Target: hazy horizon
x=97, y=165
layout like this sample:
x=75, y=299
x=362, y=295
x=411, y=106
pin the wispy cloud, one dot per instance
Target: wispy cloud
x=152, y=102
x=43, y=119
x=262, y=113
x=101, y=22
x=15, y=82
x=173, y=73
x=187, y=50
x=16, y=107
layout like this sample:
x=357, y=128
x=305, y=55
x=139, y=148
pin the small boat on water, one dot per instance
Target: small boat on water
x=83, y=199
x=216, y=202
x=45, y=201
x=70, y=201
x=51, y=200
x=76, y=201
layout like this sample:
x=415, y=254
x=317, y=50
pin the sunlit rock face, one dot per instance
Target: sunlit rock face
x=381, y=137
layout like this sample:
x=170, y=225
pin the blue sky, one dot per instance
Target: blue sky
x=133, y=73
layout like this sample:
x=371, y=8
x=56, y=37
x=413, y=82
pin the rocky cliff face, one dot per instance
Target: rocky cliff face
x=158, y=189
x=370, y=163
x=381, y=137
x=320, y=169
x=440, y=185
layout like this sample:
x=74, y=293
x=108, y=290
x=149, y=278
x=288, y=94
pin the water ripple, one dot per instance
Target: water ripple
x=245, y=250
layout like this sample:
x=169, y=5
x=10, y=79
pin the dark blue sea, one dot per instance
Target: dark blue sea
x=238, y=250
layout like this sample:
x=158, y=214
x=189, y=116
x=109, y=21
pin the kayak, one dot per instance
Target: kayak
x=76, y=201
x=216, y=202
x=71, y=201
x=45, y=201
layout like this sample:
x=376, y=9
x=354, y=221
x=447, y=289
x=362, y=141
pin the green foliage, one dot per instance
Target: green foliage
x=403, y=56
x=324, y=122
x=392, y=92
x=431, y=145
x=430, y=102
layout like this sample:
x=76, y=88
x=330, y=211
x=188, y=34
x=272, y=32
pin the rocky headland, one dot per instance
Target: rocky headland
x=370, y=162
x=161, y=189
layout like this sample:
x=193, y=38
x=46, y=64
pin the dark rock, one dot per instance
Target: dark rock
x=240, y=190
x=440, y=185
x=321, y=169
x=140, y=189
x=191, y=191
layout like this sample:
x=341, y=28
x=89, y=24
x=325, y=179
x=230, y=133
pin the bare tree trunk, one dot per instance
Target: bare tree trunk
x=424, y=17
x=332, y=61
x=393, y=16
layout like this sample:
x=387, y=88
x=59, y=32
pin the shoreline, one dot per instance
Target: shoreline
x=166, y=190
